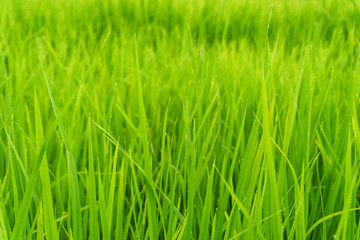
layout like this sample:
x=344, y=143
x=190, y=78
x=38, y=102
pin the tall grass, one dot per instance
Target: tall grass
x=175, y=119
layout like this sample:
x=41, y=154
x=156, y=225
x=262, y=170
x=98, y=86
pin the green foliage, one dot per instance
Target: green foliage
x=176, y=119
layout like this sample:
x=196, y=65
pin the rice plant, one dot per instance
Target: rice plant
x=179, y=119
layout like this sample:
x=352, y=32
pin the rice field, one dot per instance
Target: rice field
x=179, y=119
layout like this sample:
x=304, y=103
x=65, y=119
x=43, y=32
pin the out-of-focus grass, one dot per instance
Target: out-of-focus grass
x=178, y=119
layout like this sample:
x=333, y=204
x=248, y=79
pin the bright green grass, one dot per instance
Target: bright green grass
x=175, y=119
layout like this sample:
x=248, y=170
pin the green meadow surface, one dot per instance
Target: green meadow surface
x=175, y=119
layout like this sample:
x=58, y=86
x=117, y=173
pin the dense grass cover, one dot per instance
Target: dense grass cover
x=175, y=119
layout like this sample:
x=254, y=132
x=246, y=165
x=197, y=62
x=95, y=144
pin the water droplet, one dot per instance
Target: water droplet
x=33, y=74
x=271, y=5
x=165, y=133
x=116, y=84
x=81, y=85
